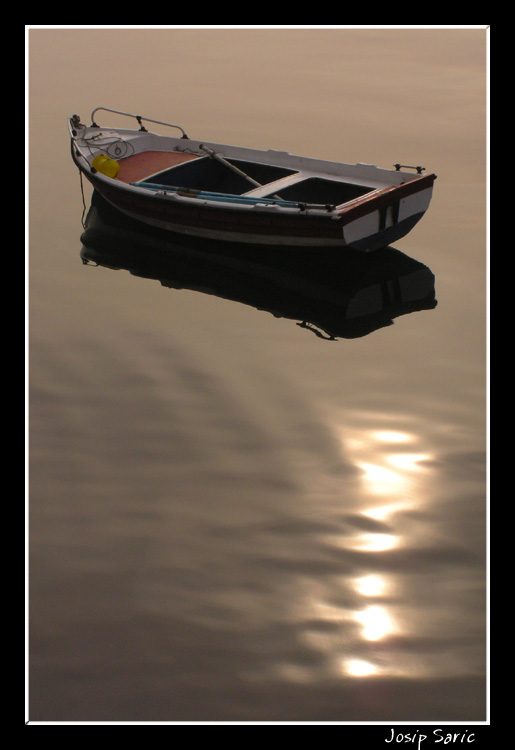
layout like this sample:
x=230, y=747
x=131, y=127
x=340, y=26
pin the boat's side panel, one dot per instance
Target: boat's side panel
x=382, y=238
x=194, y=217
x=364, y=226
x=416, y=203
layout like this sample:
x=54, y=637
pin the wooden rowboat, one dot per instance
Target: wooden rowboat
x=214, y=191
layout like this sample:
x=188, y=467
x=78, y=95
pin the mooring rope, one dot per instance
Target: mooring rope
x=84, y=207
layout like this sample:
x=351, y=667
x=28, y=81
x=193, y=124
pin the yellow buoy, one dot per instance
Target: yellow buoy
x=105, y=165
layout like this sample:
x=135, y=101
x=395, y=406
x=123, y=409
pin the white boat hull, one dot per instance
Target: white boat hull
x=204, y=190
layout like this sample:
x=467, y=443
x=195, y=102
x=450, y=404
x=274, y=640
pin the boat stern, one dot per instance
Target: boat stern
x=384, y=216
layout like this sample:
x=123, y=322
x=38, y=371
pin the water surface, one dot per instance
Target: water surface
x=231, y=517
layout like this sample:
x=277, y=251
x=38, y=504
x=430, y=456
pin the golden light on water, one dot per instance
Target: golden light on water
x=394, y=474
x=352, y=621
x=392, y=436
x=370, y=585
x=383, y=512
x=359, y=668
x=408, y=461
x=381, y=480
x=388, y=470
x=374, y=542
x=376, y=623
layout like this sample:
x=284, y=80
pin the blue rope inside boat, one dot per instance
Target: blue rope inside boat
x=250, y=200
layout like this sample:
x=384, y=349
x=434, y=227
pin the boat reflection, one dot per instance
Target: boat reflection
x=343, y=294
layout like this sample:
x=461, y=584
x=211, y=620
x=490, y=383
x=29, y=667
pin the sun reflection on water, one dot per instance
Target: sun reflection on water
x=408, y=461
x=392, y=436
x=376, y=623
x=359, y=668
x=353, y=624
x=371, y=585
x=394, y=482
x=381, y=480
x=371, y=542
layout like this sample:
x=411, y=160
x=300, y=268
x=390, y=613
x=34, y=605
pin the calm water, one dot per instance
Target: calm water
x=232, y=518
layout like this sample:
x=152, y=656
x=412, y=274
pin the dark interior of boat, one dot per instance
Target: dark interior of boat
x=318, y=190
x=209, y=175
x=212, y=176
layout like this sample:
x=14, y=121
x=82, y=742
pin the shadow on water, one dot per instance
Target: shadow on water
x=333, y=293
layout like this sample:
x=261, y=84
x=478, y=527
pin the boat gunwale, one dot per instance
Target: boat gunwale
x=337, y=171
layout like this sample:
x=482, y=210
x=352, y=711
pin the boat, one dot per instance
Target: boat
x=235, y=194
x=332, y=295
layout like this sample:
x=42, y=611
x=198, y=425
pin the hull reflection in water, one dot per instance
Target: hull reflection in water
x=335, y=294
